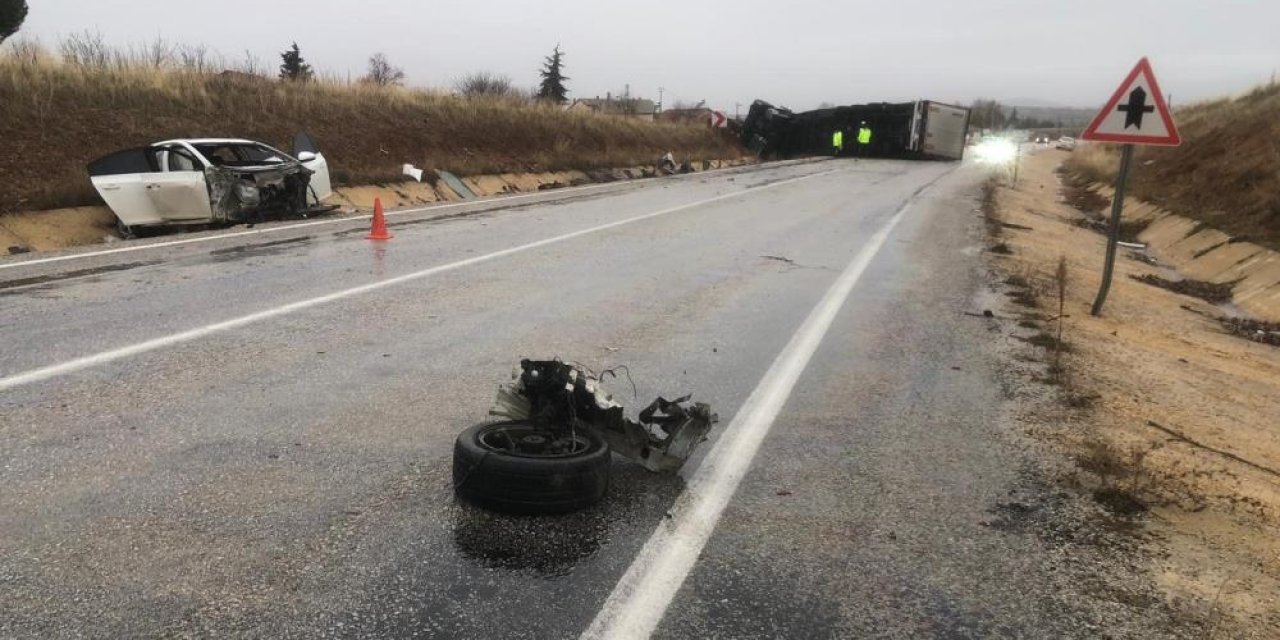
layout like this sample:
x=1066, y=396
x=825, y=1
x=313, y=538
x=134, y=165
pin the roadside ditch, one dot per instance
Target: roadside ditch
x=1163, y=410
x=24, y=232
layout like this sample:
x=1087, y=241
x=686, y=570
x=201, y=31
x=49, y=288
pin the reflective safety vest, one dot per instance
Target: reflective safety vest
x=864, y=135
x=837, y=139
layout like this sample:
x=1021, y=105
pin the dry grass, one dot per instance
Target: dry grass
x=56, y=116
x=1226, y=173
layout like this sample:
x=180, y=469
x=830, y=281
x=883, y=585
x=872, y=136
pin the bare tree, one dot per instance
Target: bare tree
x=156, y=54
x=86, y=49
x=382, y=72
x=252, y=65
x=26, y=51
x=196, y=57
x=987, y=114
x=484, y=83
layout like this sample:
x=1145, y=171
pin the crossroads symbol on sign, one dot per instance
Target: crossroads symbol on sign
x=1135, y=114
x=1136, y=108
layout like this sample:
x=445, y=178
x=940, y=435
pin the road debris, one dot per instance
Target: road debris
x=1255, y=330
x=552, y=452
x=562, y=397
x=456, y=185
x=412, y=172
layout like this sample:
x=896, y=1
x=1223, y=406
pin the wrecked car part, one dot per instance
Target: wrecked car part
x=252, y=195
x=566, y=396
x=526, y=467
x=412, y=172
x=456, y=185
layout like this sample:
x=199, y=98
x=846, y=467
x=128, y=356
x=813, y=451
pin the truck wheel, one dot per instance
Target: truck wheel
x=521, y=467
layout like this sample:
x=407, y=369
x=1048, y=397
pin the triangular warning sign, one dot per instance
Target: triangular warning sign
x=1136, y=114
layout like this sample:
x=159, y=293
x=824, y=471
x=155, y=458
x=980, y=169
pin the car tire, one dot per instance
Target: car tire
x=499, y=478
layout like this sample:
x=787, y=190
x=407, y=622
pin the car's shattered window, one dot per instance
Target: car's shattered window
x=239, y=155
x=141, y=160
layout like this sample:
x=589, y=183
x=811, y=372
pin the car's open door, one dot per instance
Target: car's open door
x=120, y=180
x=305, y=150
x=180, y=193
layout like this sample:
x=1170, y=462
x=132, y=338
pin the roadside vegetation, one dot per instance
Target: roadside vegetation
x=1225, y=173
x=59, y=110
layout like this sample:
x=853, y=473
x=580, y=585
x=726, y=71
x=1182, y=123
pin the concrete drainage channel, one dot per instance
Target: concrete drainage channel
x=61, y=229
x=70, y=218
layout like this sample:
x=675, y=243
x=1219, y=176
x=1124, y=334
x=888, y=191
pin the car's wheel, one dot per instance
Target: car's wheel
x=125, y=231
x=522, y=467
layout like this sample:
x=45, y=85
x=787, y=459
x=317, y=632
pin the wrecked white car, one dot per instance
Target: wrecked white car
x=211, y=181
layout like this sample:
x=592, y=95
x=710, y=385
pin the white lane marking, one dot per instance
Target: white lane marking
x=640, y=599
x=550, y=196
x=85, y=362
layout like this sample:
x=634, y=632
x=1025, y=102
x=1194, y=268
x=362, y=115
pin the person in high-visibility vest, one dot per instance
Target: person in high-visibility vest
x=837, y=142
x=864, y=139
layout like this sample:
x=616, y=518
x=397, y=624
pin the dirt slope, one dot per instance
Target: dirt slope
x=54, y=118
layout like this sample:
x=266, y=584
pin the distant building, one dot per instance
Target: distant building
x=695, y=115
x=626, y=107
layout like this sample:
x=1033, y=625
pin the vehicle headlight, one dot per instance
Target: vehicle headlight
x=997, y=151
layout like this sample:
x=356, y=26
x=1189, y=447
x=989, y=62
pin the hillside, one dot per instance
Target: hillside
x=1225, y=174
x=55, y=117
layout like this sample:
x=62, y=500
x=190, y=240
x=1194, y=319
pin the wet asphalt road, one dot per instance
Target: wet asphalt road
x=291, y=477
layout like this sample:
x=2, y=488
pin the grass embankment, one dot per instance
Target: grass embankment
x=57, y=116
x=1226, y=173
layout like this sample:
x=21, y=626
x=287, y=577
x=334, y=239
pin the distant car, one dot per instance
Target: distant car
x=210, y=180
x=1066, y=143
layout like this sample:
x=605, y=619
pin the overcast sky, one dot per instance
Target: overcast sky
x=792, y=52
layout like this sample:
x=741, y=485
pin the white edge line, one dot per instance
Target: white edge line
x=85, y=362
x=638, y=602
x=550, y=196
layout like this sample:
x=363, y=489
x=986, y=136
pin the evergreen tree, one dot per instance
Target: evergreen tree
x=292, y=66
x=12, y=13
x=552, y=87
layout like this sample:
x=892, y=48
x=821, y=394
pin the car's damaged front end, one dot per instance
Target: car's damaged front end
x=253, y=194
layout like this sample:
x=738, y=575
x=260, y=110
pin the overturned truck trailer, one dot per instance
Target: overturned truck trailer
x=923, y=129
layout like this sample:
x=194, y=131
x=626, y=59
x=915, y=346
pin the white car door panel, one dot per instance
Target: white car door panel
x=127, y=197
x=179, y=196
x=321, y=188
x=120, y=180
x=308, y=153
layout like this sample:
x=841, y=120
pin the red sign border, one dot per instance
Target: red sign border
x=1172, y=140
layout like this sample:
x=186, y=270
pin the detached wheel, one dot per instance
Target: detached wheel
x=522, y=467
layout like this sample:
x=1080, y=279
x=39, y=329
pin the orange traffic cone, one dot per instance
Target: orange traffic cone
x=379, y=230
